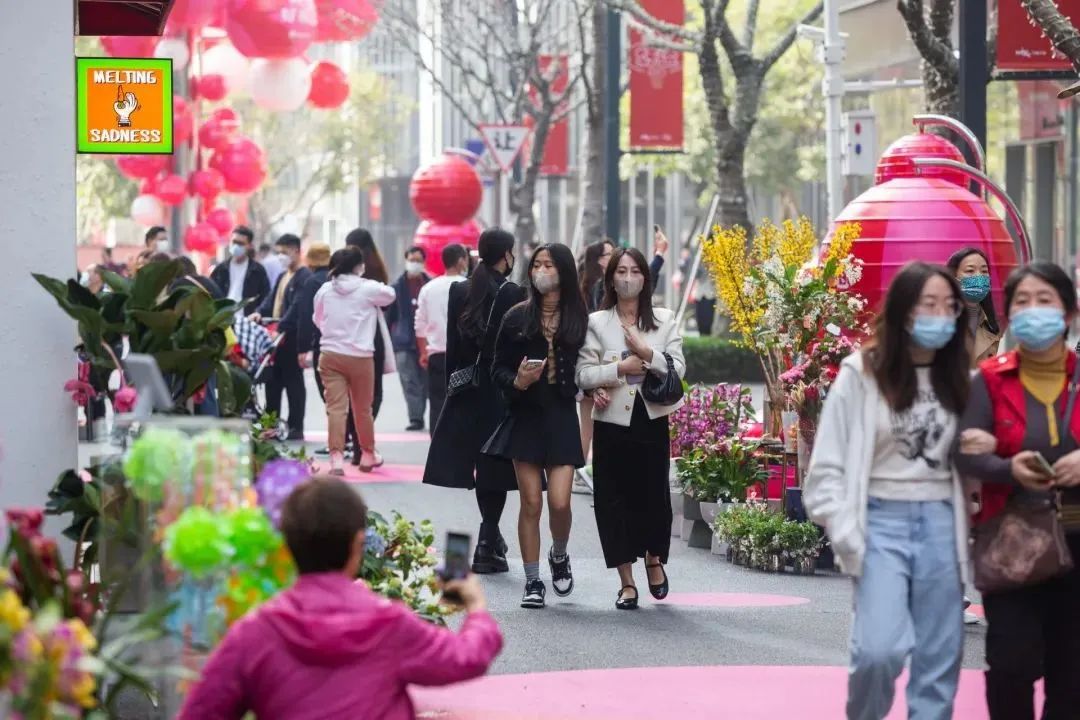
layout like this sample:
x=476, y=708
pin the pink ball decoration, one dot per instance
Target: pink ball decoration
x=206, y=184
x=343, y=20
x=183, y=120
x=176, y=49
x=146, y=187
x=147, y=210
x=221, y=127
x=129, y=45
x=446, y=191
x=195, y=14
x=280, y=85
x=223, y=59
x=242, y=163
x=433, y=237
x=141, y=167
x=171, y=190
x=201, y=238
x=221, y=219
x=329, y=86
x=271, y=28
x=211, y=87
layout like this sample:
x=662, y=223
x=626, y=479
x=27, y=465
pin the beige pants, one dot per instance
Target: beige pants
x=348, y=380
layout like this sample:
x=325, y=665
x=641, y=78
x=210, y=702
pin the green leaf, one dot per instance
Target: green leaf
x=116, y=283
x=150, y=281
x=161, y=323
x=79, y=295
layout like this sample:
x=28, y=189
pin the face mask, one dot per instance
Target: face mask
x=975, y=287
x=414, y=268
x=545, y=282
x=162, y=246
x=933, y=332
x=239, y=251
x=283, y=259
x=630, y=286
x=1038, y=328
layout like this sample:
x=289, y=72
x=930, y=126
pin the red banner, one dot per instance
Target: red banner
x=1021, y=45
x=656, y=84
x=556, y=159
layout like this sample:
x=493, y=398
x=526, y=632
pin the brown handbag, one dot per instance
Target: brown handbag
x=1025, y=544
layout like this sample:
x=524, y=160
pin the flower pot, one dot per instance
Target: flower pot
x=775, y=563
x=709, y=511
x=804, y=566
x=721, y=547
x=676, y=513
x=691, y=508
x=697, y=534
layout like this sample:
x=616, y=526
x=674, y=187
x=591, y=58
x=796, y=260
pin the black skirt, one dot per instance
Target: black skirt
x=542, y=431
x=466, y=422
x=631, y=496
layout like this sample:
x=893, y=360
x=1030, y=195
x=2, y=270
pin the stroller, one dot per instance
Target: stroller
x=254, y=352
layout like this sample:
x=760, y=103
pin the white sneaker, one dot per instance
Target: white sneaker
x=582, y=483
x=971, y=619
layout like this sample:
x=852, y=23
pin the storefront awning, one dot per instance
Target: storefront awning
x=121, y=17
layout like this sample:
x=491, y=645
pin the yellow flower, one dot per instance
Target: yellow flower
x=83, y=635
x=82, y=691
x=12, y=612
x=844, y=236
x=796, y=244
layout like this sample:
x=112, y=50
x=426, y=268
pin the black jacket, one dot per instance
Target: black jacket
x=289, y=322
x=256, y=283
x=513, y=345
x=401, y=314
x=307, y=335
x=461, y=349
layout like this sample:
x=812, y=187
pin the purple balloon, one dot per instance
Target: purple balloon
x=276, y=482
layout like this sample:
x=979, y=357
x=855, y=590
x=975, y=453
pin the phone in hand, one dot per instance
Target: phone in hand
x=456, y=563
x=533, y=364
x=632, y=379
x=1045, y=466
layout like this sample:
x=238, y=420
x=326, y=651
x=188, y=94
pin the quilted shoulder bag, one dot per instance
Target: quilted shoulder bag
x=468, y=377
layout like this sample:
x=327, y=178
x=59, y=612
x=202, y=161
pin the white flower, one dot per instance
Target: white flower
x=832, y=329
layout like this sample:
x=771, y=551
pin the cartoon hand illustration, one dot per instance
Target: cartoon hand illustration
x=124, y=106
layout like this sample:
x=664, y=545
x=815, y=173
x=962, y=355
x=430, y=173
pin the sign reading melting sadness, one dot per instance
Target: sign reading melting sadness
x=124, y=105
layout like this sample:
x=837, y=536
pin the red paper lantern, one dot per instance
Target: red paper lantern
x=206, y=184
x=329, y=86
x=447, y=191
x=221, y=127
x=147, y=186
x=195, y=14
x=221, y=219
x=343, y=20
x=271, y=28
x=433, y=237
x=141, y=167
x=183, y=120
x=129, y=45
x=201, y=238
x=171, y=190
x=242, y=163
x=211, y=87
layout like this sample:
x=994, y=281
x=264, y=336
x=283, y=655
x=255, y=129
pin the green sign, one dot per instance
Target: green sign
x=124, y=106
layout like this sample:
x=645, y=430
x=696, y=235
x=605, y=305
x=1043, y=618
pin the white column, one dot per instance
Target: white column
x=37, y=194
x=832, y=55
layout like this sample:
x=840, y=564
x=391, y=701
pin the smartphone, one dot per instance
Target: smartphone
x=1043, y=464
x=456, y=562
x=533, y=364
x=632, y=379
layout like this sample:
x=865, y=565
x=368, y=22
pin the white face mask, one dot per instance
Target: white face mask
x=163, y=246
x=629, y=286
x=545, y=282
x=413, y=267
x=239, y=251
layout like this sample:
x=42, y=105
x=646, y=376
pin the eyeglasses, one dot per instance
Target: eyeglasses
x=934, y=306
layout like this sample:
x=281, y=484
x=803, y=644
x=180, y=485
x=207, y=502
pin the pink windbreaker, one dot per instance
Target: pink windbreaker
x=331, y=648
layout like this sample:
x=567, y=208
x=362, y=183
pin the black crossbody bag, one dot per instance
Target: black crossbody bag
x=468, y=378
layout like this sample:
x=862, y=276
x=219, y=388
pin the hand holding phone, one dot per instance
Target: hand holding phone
x=456, y=563
x=528, y=372
x=1043, y=465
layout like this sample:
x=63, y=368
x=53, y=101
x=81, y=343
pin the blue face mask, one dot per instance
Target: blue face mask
x=933, y=332
x=975, y=287
x=1038, y=328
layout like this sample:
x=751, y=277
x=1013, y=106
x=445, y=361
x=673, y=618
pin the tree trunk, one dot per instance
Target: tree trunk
x=1057, y=27
x=731, y=181
x=592, y=219
x=941, y=90
x=524, y=195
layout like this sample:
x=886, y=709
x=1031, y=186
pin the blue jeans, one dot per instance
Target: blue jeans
x=413, y=384
x=908, y=602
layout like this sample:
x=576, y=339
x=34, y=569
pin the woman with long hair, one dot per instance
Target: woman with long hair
x=347, y=316
x=971, y=268
x=632, y=451
x=474, y=313
x=882, y=482
x=1021, y=398
x=535, y=359
x=591, y=271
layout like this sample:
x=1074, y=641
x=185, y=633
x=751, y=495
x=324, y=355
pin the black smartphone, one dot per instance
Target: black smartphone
x=456, y=561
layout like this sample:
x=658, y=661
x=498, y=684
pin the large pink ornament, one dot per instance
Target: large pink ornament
x=433, y=237
x=129, y=45
x=242, y=163
x=271, y=28
x=141, y=167
x=212, y=87
x=206, y=184
x=147, y=210
x=446, y=191
x=343, y=20
x=183, y=120
x=221, y=219
x=280, y=85
x=201, y=238
x=171, y=190
x=222, y=126
x=329, y=86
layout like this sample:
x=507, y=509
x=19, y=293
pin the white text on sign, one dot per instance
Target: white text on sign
x=128, y=77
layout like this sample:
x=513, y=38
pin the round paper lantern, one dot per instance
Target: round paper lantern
x=446, y=191
x=175, y=49
x=221, y=127
x=141, y=167
x=195, y=14
x=147, y=186
x=271, y=29
x=212, y=87
x=329, y=86
x=242, y=163
x=171, y=190
x=280, y=85
x=183, y=120
x=221, y=219
x=147, y=210
x=206, y=184
x=224, y=60
x=129, y=45
x=201, y=238
x=342, y=20
x=433, y=237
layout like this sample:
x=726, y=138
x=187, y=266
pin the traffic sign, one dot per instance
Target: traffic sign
x=504, y=142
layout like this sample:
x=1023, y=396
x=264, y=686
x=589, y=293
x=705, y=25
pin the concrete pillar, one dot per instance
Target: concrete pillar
x=38, y=435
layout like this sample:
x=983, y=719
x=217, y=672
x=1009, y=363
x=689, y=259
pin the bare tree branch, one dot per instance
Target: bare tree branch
x=931, y=48
x=1057, y=27
x=640, y=16
x=785, y=42
x=941, y=19
x=751, y=25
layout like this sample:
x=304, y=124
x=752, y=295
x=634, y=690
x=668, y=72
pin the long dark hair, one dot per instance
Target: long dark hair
x=646, y=319
x=889, y=350
x=492, y=247
x=573, y=315
x=987, y=304
x=589, y=269
x=374, y=267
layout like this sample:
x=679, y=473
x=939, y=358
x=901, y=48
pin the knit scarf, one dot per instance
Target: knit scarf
x=1045, y=380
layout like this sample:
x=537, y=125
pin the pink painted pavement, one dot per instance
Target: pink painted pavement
x=389, y=437
x=733, y=600
x=388, y=473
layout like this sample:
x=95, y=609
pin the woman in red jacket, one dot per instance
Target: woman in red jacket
x=1033, y=631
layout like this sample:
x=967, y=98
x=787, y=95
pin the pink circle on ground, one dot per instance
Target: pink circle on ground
x=746, y=692
x=385, y=474
x=733, y=600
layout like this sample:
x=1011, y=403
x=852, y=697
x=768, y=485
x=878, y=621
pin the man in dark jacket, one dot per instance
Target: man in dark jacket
x=401, y=317
x=283, y=303
x=241, y=278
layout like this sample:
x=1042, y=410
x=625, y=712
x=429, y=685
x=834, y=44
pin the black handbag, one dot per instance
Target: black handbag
x=468, y=378
x=666, y=390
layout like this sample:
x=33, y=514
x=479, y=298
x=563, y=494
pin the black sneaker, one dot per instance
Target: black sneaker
x=415, y=426
x=534, y=594
x=488, y=560
x=562, y=578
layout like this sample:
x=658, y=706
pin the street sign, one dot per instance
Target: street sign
x=860, y=142
x=504, y=142
x=124, y=105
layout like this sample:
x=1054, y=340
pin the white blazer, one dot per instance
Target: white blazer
x=599, y=358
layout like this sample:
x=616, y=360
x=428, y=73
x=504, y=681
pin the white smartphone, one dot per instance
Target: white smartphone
x=533, y=364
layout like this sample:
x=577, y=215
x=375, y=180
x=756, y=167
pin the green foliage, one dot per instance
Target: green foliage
x=101, y=193
x=720, y=473
x=754, y=528
x=714, y=359
x=399, y=563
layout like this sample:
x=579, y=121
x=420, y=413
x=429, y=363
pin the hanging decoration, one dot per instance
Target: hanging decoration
x=222, y=126
x=175, y=49
x=201, y=238
x=147, y=211
x=129, y=45
x=206, y=184
x=171, y=189
x=279, y=29
x=211, y=87
x=195, y=14
x=243, y=165
x=344, y=20
x=223, y=59
x=141, y=167
x=280, y=85
x=183, y=120
x=329, y=86
x=221, y=219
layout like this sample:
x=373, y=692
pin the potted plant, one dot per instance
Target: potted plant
x=802, y=544
x=765, y=529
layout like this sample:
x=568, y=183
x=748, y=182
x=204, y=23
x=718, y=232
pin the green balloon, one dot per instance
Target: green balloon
x=197, y=542
x=158, y=456
x=251, y=535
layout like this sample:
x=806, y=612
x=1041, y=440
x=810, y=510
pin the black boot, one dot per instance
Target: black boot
x=488, y=559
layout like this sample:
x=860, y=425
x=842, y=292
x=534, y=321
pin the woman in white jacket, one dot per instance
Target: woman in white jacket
x=347, y=315
x=882, y=483
x=631, y=447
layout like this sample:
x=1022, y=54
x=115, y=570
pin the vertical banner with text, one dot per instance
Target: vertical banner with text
x=656, y=84
x=556, y=158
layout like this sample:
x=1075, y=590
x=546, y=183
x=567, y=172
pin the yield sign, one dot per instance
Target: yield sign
x=504, y=142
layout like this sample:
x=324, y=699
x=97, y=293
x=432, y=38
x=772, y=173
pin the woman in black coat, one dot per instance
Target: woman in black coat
x=475, y=312
x=535, y=359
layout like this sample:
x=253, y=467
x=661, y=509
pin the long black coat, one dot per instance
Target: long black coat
x=469, y=419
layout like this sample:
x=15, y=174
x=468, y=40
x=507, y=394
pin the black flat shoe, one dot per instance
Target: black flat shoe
x=487, y=560
x=627, y=603
x=659, y=591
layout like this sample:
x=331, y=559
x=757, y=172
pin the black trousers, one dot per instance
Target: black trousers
x=1031, y=633
x=436, y=376
x=286, y=376
x=704, y=314
x=631, y=496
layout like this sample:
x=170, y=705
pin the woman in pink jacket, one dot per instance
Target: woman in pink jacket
x=328, y=647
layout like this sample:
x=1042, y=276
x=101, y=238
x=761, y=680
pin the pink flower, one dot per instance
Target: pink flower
x=200, y=395
x=124, y=400
x=81, y=391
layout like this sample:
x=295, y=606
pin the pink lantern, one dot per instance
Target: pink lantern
x=223, y=59
x=147, y=186
x=433, y=237
x=212, y=87
x=195, y=14
x=221, y=219
x=446, y=191
x=183, y=120
x=280, y=85
x=201, y=238
x=343, y=20
x=129, y=45
x=329, y=86
x=221, y=127
x=242, y=163
x=171, y=190
x=147, y=210
x=141, y=167
x=206, y=184
x=271, y=28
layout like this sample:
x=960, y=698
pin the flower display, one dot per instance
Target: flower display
x=710, y=415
